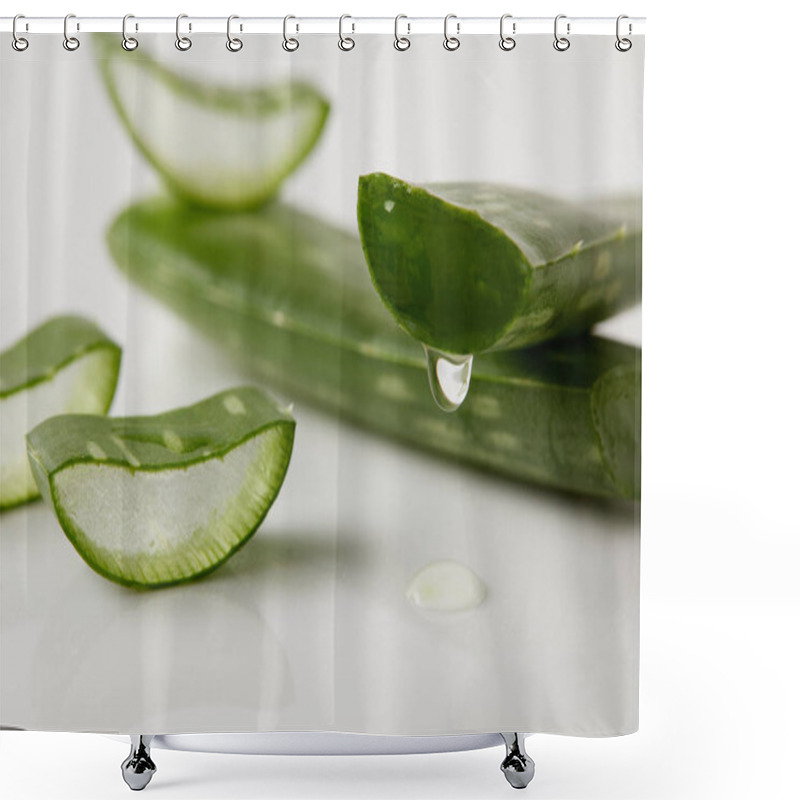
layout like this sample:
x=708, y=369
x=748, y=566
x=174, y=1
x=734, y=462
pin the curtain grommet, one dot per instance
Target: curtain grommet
x=71, y=43
x=507, y=43
x=289, y=44
x=182, y=43
x=451, y=43
x=623, y=44
x=401, y=43
x=346, y=43
x=19, y=43
x=129, y=43
x=561, y=43
x=233, y=44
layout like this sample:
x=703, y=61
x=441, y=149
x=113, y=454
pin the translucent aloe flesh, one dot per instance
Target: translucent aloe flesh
x=474, y=267
x=66, y=365
x=291, y=297
x=153, y=501
x=217, y=146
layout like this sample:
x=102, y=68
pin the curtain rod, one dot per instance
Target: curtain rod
x=326, y=25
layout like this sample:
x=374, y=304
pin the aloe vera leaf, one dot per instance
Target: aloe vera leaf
x=154, y=501
x=290, y=296
x=66, y=365
x=216, y=146
x=474, y=267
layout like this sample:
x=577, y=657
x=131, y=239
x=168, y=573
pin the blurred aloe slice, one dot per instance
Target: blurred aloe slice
x=66, y=365
x=470, y=267
x=152, y=501
x=217, y=146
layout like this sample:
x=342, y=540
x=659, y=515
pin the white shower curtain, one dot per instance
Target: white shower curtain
x=399, y=290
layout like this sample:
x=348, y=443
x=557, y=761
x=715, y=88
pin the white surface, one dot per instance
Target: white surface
x=720, y=602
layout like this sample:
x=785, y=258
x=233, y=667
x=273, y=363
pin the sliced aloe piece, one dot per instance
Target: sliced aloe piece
x=217, y=146
x=291, y=297
x=66, y=365
x=471, y=267
x=153, y=501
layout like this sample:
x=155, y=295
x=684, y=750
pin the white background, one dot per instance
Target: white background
x=720, y=692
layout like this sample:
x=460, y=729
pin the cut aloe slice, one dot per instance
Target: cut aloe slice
x=471, y=267
x=66, y=365
x=152, y=501
x=291, y=297
x=216, y=146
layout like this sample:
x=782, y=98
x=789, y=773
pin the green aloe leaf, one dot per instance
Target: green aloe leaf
x=216, y=146
x=153, y=501
x=472, y=267
x=290, y=296
x=66, y=365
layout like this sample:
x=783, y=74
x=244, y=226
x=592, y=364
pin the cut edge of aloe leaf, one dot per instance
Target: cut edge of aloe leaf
x=397, y=252
x=31, y=370
x=253, y=461
x=251, y=103
x=467, y=268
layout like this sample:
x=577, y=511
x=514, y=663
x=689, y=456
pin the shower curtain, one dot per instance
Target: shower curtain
x=320, y=384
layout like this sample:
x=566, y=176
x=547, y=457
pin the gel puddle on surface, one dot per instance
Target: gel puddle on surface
x=447, y=586
x=449, y=377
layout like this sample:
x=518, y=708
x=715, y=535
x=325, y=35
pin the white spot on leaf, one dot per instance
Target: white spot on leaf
x=603, y=266
x=233, y=405
x=129, y=457
x=486, y=407
x=95, y=451
x=393, y=387
x=505, y=441
x=172, y=441
x=389, y=205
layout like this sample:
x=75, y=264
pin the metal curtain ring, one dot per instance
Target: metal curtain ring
x=290, y=44
x=233, y=44
x=623, y=44
x=507, y=42
x=183, y=43
x=18, y=42
x=401, y=42
x=71, y=43
x=128, y=42
x=451, y=42
x=346, y=42
x=561, y=43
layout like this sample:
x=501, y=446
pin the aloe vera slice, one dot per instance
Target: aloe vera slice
x=66, y=365
x=217, y=146
x=471, y=267
x=290, y=296
x=153, y=501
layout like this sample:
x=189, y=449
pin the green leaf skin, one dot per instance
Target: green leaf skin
x=154, y=501
x=290, y=297
x=67, y=364
x=215, y=146
x=476, y=267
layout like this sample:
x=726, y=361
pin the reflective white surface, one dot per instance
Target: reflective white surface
x=319, y=743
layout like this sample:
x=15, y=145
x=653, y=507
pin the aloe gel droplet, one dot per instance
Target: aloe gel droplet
x=446, y=586
x=448, y=376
